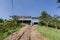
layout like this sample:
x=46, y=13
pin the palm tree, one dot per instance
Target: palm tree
x=58, y=1
x=45, y=18
x=42, y=17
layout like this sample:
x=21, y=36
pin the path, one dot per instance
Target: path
x=35, y=35
x=27, y=33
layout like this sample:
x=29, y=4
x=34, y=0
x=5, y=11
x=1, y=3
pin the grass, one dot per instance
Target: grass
x=7, y=33
x=50, y=33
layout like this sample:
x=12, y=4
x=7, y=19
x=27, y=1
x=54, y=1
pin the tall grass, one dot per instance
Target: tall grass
x=4, y=34
x=50, y=33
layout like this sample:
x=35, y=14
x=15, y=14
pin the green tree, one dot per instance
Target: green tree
x=55, y=19
x=42, y=17
x=1, y=20
x=58, y=1
x=45, y=18
x=14, y=19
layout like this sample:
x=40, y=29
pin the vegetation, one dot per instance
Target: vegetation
x=47, y=25
x=1, y=20
x=58, y=1
x=8, y=27
x=50, y=33
x=48, y=20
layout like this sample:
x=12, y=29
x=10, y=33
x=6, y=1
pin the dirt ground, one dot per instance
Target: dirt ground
x=29, y=33
x=35, y=35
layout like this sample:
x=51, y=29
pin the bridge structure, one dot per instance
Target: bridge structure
x=28, y=20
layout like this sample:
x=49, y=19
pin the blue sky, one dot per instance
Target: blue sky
x=27, y=7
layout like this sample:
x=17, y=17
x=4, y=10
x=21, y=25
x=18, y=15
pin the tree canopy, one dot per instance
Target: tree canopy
x=48, y=20
x=1, y=20
x=58, y=1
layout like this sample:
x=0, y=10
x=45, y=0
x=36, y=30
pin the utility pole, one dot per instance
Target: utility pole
x=12, y=13
x=12, y=8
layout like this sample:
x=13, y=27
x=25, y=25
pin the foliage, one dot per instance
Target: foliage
x=1, y=20
x=58, y=1
x=14, y=19
x=45, y=18
x=50, y=33
x=9, y=26
x=48, y=20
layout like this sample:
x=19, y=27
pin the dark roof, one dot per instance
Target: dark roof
x=24, y=16
x=27, y=17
